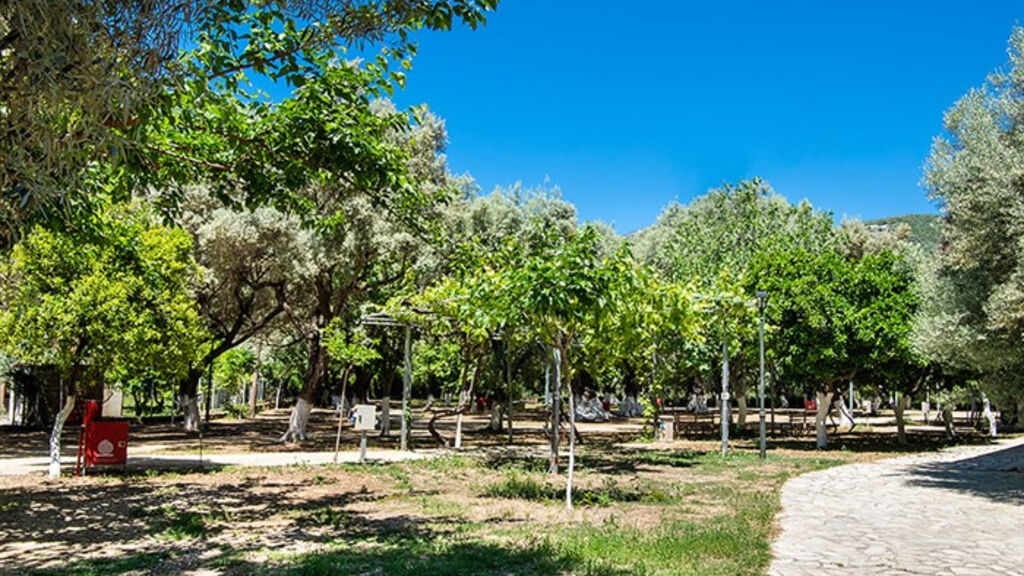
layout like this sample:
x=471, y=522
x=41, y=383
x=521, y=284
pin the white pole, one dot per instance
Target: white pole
x=406, y=389
x=547, y=384
x=760, y=392
x=725, y=396
x=572, y=431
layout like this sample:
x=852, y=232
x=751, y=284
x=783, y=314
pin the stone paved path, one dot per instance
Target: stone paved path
x=38, y=465
x=957, y=512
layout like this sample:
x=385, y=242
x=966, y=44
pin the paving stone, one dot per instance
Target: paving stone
x=956, y=512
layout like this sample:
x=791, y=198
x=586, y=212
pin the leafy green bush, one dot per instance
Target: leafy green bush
x=237, y=411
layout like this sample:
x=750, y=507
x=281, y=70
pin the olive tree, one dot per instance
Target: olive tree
x=974, y=171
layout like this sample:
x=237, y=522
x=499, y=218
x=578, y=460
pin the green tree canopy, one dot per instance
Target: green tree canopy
x=976, y=171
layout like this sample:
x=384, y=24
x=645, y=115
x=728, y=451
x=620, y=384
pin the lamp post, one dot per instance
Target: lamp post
x=762, y=303
x=725, y=394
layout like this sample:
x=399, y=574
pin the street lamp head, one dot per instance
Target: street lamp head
x=762, y=300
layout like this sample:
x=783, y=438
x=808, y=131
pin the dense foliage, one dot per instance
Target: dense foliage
x=214, y=233
x=976, y=313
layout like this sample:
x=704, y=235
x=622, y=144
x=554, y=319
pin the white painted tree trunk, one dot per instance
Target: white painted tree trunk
x=947, y=421
x=824, y=401
x=11, y=411
x=58, y=428
x=385, y=416
x=497, y=417
x=458, y=431
x=900, y=408
x=298, y=422
x=189, y=413
x=463, y=400
x=741, y=411
x=990, y=418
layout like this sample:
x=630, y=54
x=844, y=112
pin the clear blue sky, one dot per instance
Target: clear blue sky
x=629, y=105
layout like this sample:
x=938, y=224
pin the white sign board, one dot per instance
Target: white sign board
x=364, y=417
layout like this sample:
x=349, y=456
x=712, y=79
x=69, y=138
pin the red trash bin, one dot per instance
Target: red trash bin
x=106, y=443
x=101, y=442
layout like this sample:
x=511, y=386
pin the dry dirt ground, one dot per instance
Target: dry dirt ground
x=436, y=516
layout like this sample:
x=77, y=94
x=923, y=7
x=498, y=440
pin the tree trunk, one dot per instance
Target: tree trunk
x=458, y=427
x=947, y=422
x=254, y=387
x=508, y=398
x=990, y=418
x=847, y=414
x=58, y=429
x=738, y=384
x=497, y=417
x=459, y=409
x=187, y=393
x=824, y=400
x=1018, y=418
x=385, y=416
x=901, y=424
x=741, y=409
x=299, y=420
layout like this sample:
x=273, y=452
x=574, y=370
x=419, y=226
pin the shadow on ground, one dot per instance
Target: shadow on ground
x=427, y=556
x=881, y=442
x=998, y=475
x=343, y=542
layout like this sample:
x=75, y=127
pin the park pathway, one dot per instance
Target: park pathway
x=956, y=512
x=157, y=461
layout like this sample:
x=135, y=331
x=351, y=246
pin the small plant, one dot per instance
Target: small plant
x=173, y=524
x=184, y=525
x=320, y=480
x=329, y=516
x=237, y=411
x=520, y=486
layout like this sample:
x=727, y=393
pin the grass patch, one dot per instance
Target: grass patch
x=135, y=564
x=516, y=485
x=639, y=512
x=328, y=516
x=730, y=544
x=170, y=523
